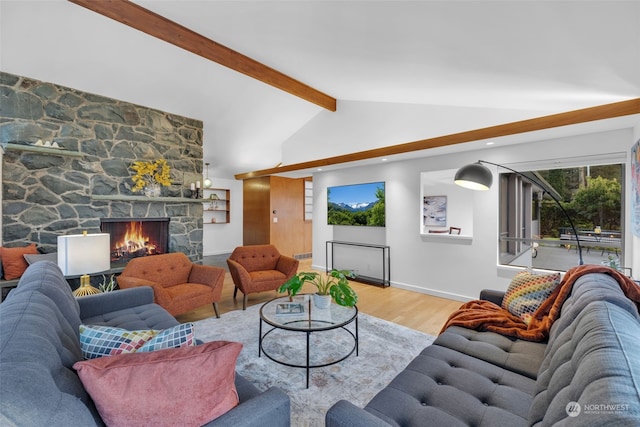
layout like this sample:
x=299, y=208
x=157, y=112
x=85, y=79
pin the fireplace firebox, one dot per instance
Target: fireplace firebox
x=135, y=237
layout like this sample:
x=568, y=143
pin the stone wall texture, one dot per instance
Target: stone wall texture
x=48, y=194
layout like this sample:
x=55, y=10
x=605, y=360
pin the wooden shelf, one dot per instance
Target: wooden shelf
x=43, y=150
x=222, y=215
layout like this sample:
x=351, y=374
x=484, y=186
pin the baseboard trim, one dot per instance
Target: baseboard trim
x=432, y=292
x=420, y=290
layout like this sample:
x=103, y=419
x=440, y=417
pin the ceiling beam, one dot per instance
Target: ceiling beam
x=602, y=112
x=155, y=25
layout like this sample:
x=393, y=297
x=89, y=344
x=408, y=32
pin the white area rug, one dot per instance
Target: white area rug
x=385, y=349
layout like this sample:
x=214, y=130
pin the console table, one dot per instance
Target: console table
x=385, y=252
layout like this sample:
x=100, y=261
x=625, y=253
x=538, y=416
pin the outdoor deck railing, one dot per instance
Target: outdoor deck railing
x=609, y=237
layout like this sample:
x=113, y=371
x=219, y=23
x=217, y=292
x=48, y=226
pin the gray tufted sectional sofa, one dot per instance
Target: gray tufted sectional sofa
x=587, y=374
x=39, y=343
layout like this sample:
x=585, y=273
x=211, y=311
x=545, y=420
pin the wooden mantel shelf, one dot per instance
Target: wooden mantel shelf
x=44, y=150
x=123, y=198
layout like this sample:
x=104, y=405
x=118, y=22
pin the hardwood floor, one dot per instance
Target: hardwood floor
x=417, y=311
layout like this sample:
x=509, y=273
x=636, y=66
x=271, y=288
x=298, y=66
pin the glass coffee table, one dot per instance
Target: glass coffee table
x=287, y=318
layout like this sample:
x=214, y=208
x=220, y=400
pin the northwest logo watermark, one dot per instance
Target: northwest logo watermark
x=574, y=409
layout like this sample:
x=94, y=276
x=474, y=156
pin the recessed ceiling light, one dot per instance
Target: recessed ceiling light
x=490, y=143
x=319, y=169
x=384, y=160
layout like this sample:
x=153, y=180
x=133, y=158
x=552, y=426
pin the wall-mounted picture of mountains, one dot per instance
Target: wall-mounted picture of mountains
x=356, y=204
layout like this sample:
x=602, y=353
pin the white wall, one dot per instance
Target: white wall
x=358, y=125
x=364, y=261
x=223, y=238
x=451, y=268
x=459, y=202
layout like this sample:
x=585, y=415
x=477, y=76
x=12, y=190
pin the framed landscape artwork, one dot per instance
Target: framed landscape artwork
x=356, y=204
x=434, y=211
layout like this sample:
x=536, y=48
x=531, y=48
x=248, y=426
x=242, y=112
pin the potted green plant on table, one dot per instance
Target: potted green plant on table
x=331, y=285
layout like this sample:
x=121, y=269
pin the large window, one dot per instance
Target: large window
x=534, y=231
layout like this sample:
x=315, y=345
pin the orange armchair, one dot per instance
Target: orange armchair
x=259, y=268
x=178, y=284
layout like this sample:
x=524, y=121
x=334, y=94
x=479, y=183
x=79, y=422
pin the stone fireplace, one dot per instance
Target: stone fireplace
x=135, y=237
x=53, y=192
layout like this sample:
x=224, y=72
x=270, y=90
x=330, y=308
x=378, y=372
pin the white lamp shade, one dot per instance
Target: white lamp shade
x=80, y=254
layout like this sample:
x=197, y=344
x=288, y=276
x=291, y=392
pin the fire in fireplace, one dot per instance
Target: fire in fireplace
x=135, y=237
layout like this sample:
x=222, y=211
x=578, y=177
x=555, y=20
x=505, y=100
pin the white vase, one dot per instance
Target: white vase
x=152, y=190
x=322, y=301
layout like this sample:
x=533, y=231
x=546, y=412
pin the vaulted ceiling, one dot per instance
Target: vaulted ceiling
x=400, y=70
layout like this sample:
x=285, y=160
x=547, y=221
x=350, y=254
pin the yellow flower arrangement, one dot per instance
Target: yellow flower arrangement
x=149, y=173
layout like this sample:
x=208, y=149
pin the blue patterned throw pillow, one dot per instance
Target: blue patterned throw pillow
x=98, y=341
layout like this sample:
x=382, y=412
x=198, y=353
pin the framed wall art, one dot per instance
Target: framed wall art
x=434, y=211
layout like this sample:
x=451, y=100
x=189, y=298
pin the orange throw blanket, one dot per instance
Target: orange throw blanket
x=486, y=316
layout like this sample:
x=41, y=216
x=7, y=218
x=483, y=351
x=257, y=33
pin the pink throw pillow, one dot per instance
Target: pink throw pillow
x=187, y=386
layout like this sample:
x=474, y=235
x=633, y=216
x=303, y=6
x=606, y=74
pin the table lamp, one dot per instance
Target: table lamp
x=83, y=254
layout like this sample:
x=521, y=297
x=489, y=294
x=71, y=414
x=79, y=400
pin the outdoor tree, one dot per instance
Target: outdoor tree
x=599, y=202
x=557, y=179
x=596, y=202
x=607, y=171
